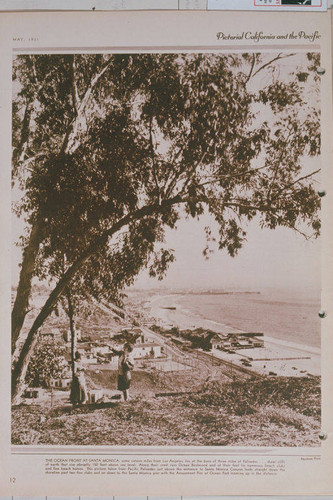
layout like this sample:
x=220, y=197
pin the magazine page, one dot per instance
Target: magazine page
x=166, y=253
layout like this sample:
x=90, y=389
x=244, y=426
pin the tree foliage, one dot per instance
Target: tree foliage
x=156, y=127
x=47, y=362
x=112, y=149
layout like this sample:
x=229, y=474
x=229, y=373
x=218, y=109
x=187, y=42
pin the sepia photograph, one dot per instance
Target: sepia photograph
x=166, y=249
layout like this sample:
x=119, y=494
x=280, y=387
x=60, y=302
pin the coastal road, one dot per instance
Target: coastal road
x=203, y=358
x=230, y=369
x=195, y=358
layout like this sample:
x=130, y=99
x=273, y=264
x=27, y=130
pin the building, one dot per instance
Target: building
x=50, y=337
x=236, y=341
x=68, y=335
x=147, y=350
x=100, y=349
x=143, y=339
x=244, y=344
x=61, y=383
x=87, y=356
x=47, y=337
x=132, y=330
x=218, y=344
x=34, y=392
x=257, y=342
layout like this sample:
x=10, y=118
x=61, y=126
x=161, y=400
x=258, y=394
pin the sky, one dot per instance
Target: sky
x=279, y=259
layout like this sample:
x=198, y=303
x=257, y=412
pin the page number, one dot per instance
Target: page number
x=12, y=479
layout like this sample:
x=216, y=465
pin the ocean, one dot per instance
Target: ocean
x=287, y=317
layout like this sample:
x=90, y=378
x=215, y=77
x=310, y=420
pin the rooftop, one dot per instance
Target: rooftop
x=146, y=344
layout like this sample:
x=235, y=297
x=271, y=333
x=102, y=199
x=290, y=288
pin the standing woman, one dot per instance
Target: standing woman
x=125, y=365
x=79, y=393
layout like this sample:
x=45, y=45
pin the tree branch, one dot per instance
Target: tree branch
x=20, y=368
x=152, y=152
x=213, y=179
x=277, y=58
x=69, y=137
x=287, y=186
x=251, y=69
x=75, y=94
x=189, y=178
x=20, y=151
x=93, y=83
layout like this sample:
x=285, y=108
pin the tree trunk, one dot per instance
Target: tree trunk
x=19, y=152
x=72, y=329
x=21, y=303
x=27, y=352
x=20, y=369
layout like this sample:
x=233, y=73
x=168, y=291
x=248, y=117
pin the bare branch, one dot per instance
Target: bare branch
x=277, y=58
x=69, y=137
x=306, y=236
x=93, y=84
x=251, y=69
x=26, y=163
x=75, y=94
x=152, y=152
x=39, y=86
x=20, y=152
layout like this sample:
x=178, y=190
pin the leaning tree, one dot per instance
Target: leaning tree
x=109, y=150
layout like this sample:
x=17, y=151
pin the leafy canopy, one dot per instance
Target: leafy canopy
x=47, y=362
x=99, y=137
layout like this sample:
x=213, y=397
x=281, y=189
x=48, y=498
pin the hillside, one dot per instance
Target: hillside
x=267, y=412
x=147, y=384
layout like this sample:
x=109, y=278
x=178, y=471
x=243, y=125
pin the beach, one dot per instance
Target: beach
x=286, y=354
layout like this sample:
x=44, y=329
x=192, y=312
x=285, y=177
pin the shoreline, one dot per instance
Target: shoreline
x=280, y=356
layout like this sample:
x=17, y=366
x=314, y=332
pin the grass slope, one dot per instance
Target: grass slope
x=269, y=412
x=147, y=384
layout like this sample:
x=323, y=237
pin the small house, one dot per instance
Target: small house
x=244, y=344
x=257, y=342
x=34, y=392
x=47, y=337
x=217, y=344
x=68, y=335
x=60, y=383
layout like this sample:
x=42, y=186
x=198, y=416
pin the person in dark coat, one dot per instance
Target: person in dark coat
x=125, y=366
x=79, y=393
